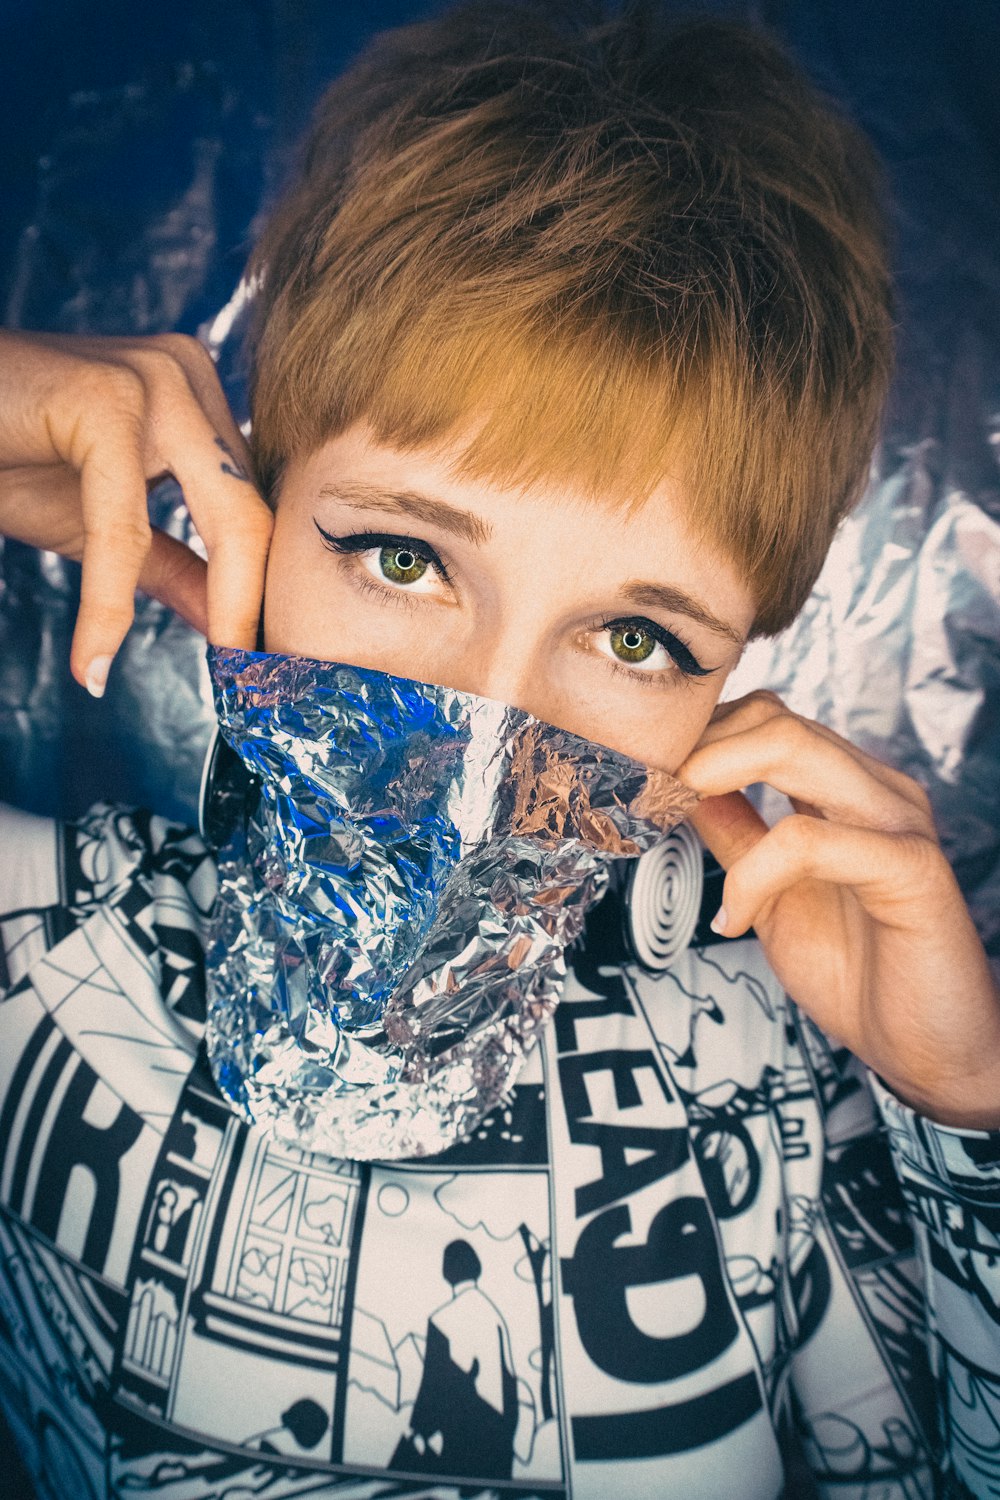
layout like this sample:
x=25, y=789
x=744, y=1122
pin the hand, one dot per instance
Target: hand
x=85, y=425
x=856, y=907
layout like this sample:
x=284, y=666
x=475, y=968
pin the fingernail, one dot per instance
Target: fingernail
x=97, y=676
x=719, y=921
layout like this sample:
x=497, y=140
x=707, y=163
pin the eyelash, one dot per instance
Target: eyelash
x=364, y=541
x=356, y=542
x=675, y=646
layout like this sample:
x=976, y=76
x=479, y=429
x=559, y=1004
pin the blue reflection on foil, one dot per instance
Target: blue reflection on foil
x=396, y=895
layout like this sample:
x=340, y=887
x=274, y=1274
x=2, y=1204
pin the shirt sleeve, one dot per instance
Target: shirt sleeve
x=951, y=1184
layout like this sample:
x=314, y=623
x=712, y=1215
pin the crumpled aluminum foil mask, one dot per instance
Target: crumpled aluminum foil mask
x=397, y=889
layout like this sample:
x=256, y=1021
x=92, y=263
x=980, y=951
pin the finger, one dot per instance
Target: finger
x=203, y=378
x=898, y=781
x=235, y=524
x=759, y=707
x=728, y=826
x=180, y=380
x=786, y=753
x=893, y=876
x=116, y=539
x=40, y=505
x=231, y=518
x=740, y=713
x=177, y=577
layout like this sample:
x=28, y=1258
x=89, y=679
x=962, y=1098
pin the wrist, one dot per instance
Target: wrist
x=948, y=1068
x=969, y=1104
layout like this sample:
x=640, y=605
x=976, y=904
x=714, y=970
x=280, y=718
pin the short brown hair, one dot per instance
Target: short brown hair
x=614, y=247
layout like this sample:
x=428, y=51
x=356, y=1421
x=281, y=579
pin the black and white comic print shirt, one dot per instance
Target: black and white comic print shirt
x=692, y=1239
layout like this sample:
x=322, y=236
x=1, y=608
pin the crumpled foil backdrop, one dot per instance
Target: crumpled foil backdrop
x=139, y=159
x=396, y=893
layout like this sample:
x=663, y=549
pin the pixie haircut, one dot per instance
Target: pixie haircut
x=603, y=250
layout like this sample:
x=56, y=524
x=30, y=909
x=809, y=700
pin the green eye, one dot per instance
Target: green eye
x=631, y=643
x=401, y=564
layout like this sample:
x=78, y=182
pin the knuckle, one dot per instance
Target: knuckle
x=762, y=706
x=159, y=367
x=187, y=351
x=796, y=834
x=195, y=364
x=260, y=519
x=751, y=710
x=129, y=538
x=926, y=856
x=108, y=619
x=174, y=344
x=120, y=390
x=784, y=734
x=765, y=702
x=920, y=796
x=253, y=534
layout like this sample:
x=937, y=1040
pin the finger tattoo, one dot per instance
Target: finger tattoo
x=234, y=467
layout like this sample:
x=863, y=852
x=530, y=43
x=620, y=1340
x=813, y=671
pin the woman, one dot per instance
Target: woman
x=571, y=346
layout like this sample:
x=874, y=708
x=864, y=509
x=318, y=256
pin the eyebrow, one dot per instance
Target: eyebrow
x=665, y=596
x=362, y=496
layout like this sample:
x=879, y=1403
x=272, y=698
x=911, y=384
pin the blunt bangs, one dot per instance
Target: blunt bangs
x=615, y=259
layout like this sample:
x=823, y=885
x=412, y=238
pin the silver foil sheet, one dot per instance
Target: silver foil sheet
x=395, y=898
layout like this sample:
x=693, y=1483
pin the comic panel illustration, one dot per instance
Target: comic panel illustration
x=74, y=1157
x=451, y=1366
x=660, y=1375
x=240, y=1287
x=973, y=1400
x=863, y=1433
x=512, y=1134
x=157, y=1465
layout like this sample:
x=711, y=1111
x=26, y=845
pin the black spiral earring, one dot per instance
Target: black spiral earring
x=662, y=898
x=223, y=795
x=658, y=905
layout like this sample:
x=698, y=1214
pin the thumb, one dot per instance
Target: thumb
x=728, y=826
